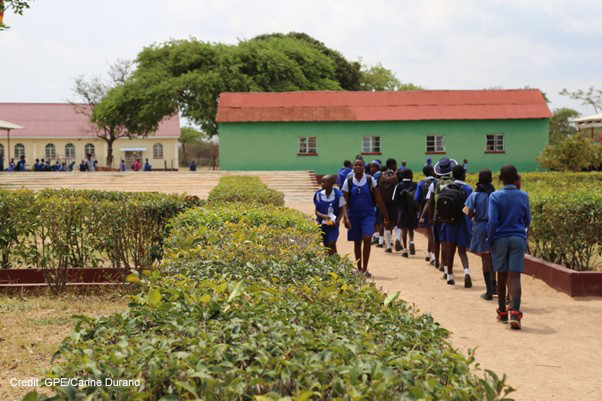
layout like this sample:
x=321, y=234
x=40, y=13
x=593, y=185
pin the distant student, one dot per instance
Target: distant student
x=378, y=239
x=82, y=166
x=509, y=218
x=192, y=166
x=136, y=165
x=90, y=165
x=11, y=165
x=404, y=165
x=443, y=169
x=343, y=173
x=63, y=167
x=72, y=165
x=122, y=165
x=374, y=167
x=36, y=165
x=56, y=166
x=421, y=192
x=21, y=164
x=477, y=206
x=405, y=199
x=457, y=227
x=147, y=166
x=360, y=198
x=329, y=204
x=466, y=165
x=429, y=162
x=386, y=187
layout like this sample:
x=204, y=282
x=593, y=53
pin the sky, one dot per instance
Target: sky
x=459, y=44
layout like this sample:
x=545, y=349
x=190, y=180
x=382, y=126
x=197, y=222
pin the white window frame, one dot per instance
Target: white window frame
x=495, y=143
x=68, y=149
x=307, y=145
x=158, y=151
x=21, y=149
x=50, y=151
x=371, y=144
x=435, y=144
x=88, y=152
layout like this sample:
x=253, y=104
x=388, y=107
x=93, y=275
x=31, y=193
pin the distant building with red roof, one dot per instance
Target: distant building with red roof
x=319, y=130
x=56, y=131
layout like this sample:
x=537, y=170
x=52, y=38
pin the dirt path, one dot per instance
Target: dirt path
x=556, y=356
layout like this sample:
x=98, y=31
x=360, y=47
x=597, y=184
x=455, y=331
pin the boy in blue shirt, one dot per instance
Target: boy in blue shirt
x=404, y=198
x=477, y=206
x=343, y=173
x=421, y=192
x=509, y=218
x=329, y=204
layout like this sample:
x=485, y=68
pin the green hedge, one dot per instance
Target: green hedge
x=247, y=306
x=65, y=228
x=244, y=189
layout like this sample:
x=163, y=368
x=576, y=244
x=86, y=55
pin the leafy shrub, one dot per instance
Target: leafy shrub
x=215, y=340
x=571, y=154
x=244, y=189
x=567, y=228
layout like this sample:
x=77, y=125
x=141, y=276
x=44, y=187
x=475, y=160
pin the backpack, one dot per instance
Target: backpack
x=386, y=185
x=450, y=204
x=425, y=190
x=350, y=185
x=408, y=198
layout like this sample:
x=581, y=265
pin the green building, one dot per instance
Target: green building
x=319, y=130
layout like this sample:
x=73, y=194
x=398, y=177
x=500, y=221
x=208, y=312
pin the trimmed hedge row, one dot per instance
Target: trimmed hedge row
x=58, y=229
x=251, y=308
x=244, y=189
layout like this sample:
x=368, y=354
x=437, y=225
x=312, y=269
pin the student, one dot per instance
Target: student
x=147, y=166
x=405, y=199
x=466, y=165
x=329, y=204
x=90, y=165
x=374, y=168
x=56, y=166
x=11, y=165
x=72, y=165
x=360, y=198
x=443, y=169
x=404, y=165
x=122, y=165
x=63, y=167
x=386, y=188
x=421, y=192
x=21, y=164
x=192, y=166
x=82, y=166
x=429, y=162
x=509, y=218
x=343, y=173
x=378, y=239
x=136, y=165
x=457, y=226
x=477, y=206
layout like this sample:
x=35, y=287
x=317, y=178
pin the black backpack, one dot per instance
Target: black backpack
x=450, y=204
x=408, y=198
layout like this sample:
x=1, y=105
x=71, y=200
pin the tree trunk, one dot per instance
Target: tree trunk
x=184, y=161
x=110, y=153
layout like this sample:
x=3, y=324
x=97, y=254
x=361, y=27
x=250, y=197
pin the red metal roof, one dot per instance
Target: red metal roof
x=59, y=120
x=382, y=106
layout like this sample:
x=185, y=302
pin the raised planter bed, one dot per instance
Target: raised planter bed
x=12, y=278
x=571, y=282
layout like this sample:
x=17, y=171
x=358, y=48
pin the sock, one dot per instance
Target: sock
x=433, y=255
x=411, y=242
x=445, y=270
x=487, y=278
x=388, y=238
x=467, y=272
x=380, y=240
x=515, y=303
x=450, y=277
x=376, y=235
x=398, y=233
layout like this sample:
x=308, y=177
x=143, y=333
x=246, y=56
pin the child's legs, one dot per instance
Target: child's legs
x=429, y=235
x=404, y=236
x=515, y=289
x=366, y=254
x=450, y=252
x=357, y=247
x=487, y=263
x=411, y=233
x=332, y=248
x=502, y=278
x=463, y=256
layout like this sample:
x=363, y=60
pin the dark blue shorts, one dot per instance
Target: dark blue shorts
x=361, y=226
x=508, y=254
x=458, y=234
x=329, y=235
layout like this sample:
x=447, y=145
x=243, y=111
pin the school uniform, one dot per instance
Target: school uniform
x=423, y=186
x=509, y=216
x=436, y=224
x=361, y=207
x=460, y=233
x=478, y=201
x=323, y=202
x=407, y=218
x=342, y=176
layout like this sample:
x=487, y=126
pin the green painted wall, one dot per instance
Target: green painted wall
x=273, y=146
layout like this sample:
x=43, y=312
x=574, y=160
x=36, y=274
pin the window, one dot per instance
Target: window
x=1, y=151
x=307, y=145
x=19, y=150
x=70, y=151
x=495, y=143
x=89, y=150
x=435, y=144
x=157, y=151
x=50, y=151
x=371, y=144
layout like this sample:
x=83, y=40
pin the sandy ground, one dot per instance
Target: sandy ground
x=556, y=356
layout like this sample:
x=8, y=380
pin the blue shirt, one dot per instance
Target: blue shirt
x=342, y=176
x=509, y=214
x=479, y=203
x=421, y=187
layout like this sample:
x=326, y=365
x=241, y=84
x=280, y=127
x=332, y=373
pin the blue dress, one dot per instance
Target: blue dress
x=362, y=215
x=459, y=234
x=330, y=234
x=478, y=202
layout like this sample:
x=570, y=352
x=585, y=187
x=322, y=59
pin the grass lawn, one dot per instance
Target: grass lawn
x=32, y=327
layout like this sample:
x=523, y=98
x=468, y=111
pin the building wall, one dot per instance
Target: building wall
x=274, y=146
x=35, y=149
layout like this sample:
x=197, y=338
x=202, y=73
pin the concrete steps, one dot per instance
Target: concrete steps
x=298, y=186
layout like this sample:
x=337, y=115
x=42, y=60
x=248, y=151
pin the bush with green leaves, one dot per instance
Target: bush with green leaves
x=244, y=189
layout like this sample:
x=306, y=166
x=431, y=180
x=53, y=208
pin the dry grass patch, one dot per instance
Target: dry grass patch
x=32, y=327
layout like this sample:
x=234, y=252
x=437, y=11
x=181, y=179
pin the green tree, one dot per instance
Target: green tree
x=111, y=116
x=16, y=6
x=573, y=153
x=590, y=97
x=379, y=78
x=189, y=75
x=190, y=136
x=560, y=124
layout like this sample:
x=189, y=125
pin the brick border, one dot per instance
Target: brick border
x=28, y=278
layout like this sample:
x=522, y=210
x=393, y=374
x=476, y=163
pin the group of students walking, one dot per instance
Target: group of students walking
x=379, y=203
